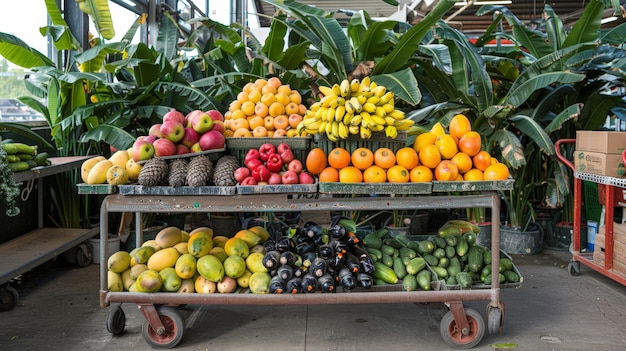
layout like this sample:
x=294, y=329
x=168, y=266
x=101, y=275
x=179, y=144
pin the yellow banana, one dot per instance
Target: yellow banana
x=356, y=119
x=403, y=124
x=300, y=127
x=365, y=90
x=369, y=107
x=341, y=101
x=356, y=104
x=322, y=127
x=336, y=89
x=329, y=127
x=345, y=88
x=397, y=114
x=316, y=106
x=327, y=91
x=373, y=85
x=365, y=132
x=325, y=101
x=349, y=107
x=373, y=100
x=321, y=112
x=389, y=120
x=386, y=98
x=388, y=108
x=354, y=85
x=379, y=91
x=380, y=111
x=377, y=128
x=340, y=111
x=334, y=103
x=354, y=130
x=391, y=132
x=365, y=80
x=331, y=137
x=361, y=99
x=308, y=122
x=343, y=131
x=366, y=119
x=379, y=120
x=335, y=128
x=347, y=118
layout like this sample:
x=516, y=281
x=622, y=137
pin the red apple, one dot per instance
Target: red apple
x=215, y=115
x=173, y=130
x=155, y=130
x=295, y=165
x=190, y=137
x=290, y=177
x=306, y=178
x=251, y=154
x=253, y=163
x=282, y=147
x=148, y=138
x=199, y=121
x=212, y=140
x=195, y=147
x=261, y=173
x=174, y=115
x=164, y=147
x=275, y=178
x=182, y=149
x=142, y=150
x=241, y=173
x=249, y=181
x=218, y=126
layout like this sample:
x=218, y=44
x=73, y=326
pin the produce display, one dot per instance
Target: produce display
x=265, y=108
x=304, y=260
x=271, y=164
x=120, y=168
x=22, y=157
x=354, y=108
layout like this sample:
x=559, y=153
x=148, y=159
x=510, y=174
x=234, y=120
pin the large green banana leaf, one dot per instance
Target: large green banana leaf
x=98, y=11
x=19, y=53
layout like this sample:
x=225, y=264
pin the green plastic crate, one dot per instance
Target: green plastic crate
x=591, y=200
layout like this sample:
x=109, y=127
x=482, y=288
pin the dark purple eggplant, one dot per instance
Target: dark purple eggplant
x=285, y=272
x=309, y=283
x=307, y=246
x=285, y=244
x=365, y=261
x=301, y=271
x=336, y=231
x=312, y=229
x=352, y=239
x=339, y=246
x=365, y=280
x=308, y=258
x=347, y=279
x=326, y=283
x=288, y=258
x=337, y=261
x=271, y=260
x=325, y=251
x=320, y=239
x=269, y=245
x=277, y=285
x=294, y=285
x=352, y=263
x=318, y=267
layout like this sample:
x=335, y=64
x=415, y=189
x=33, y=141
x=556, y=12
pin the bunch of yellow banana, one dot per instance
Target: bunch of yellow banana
x=354, y=108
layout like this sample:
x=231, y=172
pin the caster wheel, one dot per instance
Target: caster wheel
x=84, y=254
x=454, y=337
x=174, y=327
x=116, y=320
x=8, y=298
x=574, y=268
x=494, y=320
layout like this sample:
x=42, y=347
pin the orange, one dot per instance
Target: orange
x=295, y=97
x=259, y=131
x=277, y=133
x=350, y=174
x=459, y=125
x=384, y=157
x=248, y=107
x=329, y=174
x=496, y=171
x=430, y=156
x=294, y=120
x=362, y=158
x=235, y=105
x=254, y=96
x=255, y=121
x=260, y=109
x=398, y=174
x=470, y=143
x=463, y=162
x=276, y=109
x=247, y=87
x=339, y=158
x=238, y=114
x=315, y=161
x=292, y=108
x=446, y=170
x=473, y=175
x=268, y=89
x=282, y=98
x=242, y=97
x=281, y=122
x=482, y=160
x=284, y=89
x=275, y=82
x=421, y=174
x=374, y=174
x=268, y=121
x=424, y=139
x=239, y=123
x=407, y=157
x=242, y=133
x=268, y=99
x=447, y=146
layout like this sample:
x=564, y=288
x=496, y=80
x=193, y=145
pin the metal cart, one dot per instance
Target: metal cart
x=30, y=250
x=586, y=258
x=163, y=328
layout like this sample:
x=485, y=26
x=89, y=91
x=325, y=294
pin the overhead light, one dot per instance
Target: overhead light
x=608, y=19
x=486, y=2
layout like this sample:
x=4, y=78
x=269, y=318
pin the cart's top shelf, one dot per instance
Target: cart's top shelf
x=59, y=165
x=619, y=182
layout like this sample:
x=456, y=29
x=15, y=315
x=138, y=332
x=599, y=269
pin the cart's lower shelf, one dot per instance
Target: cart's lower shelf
x=36, y=247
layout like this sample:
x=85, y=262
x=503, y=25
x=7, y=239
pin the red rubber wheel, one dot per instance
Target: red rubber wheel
x=454, y=337
x=174, y=327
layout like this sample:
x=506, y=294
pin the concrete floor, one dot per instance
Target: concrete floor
x=552, y=310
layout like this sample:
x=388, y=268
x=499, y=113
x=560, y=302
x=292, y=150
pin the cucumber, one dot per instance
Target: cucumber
x=372, y=241
x=386, y=249
x=407, y=252
x=424, y=279
x=415, y=265
x=430, y=259
x=507, y=263
x=475, y=258
x=485, y=272
x=384, y=273
x=487, y=256
x=399, y=268
x=451, y=240
x=19, y=148
x=375, y=253
x=511, y=276
x=489, y=278
x=450, y=251
x=387, y=260
x=451, y=280
x=413, y=245
x=439, y=253
x=439, y=241
x=19, y=166
x=455, y=266
x=444, y=262
x=13, y=158
x=42, y=159
x=409, y=283
x=441, y=272
x=393, y=242
x=426, y=246
x=25, y=157
x=464, y=279
x=462, y=246
x=470, y=237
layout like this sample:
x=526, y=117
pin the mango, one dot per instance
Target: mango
x=171, y=280
x=127, y=280
x=87, y=165
x=234, y=266
x=119, y=262
x=227, y=285
x=184, y=236
x=249, y=237
x=133, y=169
x=149, y=281
x=168, y=237
x=260, y=282
x=254, y=262
x=258, y=248
x=185, y=266
x=141, y=255
x=114, y=281
x=219, y=240
x=219, y=253
x=244, y=280
x=119, y=158
x=261, y=232
x=162, y=259
x=199, y=244
x=187, y=287
x=136, y=270
x=152, y=243
x=210, y=267
x=204, y=286
x=237, y=247
x=181, y=247
x=202, y=230
x=98, y=173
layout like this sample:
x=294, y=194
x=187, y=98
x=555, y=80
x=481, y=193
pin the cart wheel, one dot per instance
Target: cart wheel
x=174, y=327
x=455, y=338
x=8, y=298
x=116, y=320
x=574, y=268
x=494, y=320
x=84, y=254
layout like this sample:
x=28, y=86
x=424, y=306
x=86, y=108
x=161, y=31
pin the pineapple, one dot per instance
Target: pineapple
x=178, y=173
x=199, y=171
x=224, y=174
x=154, y=172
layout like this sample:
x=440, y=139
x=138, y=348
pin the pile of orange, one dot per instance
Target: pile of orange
x=456, y=154
x=367, y=166
x=265, y=108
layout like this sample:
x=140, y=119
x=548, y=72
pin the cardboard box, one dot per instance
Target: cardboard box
x=610, y=165
x=601, y=141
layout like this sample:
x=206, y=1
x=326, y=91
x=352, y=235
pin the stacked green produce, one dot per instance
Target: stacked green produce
x=22, y=157
x=452, y=256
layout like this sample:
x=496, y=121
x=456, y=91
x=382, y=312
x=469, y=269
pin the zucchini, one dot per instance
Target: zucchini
x=424, y=279
x=409, y=283
x=19, y=148
x=25, y=157
x=384, y=273
x=415, y=265
x=399, y=268
x=13, y=158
